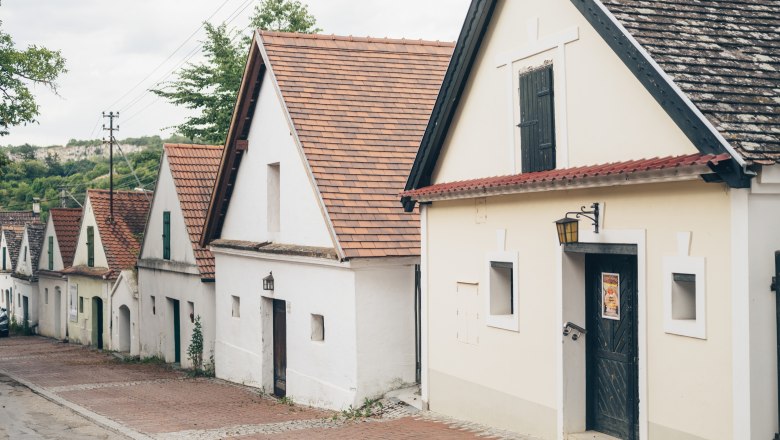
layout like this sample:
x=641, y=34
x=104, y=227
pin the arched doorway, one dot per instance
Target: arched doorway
x=123, y=324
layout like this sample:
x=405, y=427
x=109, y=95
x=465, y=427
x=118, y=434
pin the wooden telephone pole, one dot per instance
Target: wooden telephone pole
x=111, y=129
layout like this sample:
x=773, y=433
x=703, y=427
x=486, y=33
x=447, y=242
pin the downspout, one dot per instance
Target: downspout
x=775, y=281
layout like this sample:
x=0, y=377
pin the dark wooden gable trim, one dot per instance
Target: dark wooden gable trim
x=474, y=28
x=660, y=87
x=236, y=145
x=458, y=72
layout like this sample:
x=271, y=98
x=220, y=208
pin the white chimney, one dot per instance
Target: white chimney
x=36, y=206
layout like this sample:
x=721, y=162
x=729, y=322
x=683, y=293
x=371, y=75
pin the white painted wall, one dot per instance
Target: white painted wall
x=270, y=142
x=763, y=241
x=80, y=331
x=603, y=113
x=156, y=333
x=30, y=291
x=80, y=256
x=124, y=292
x=43, y=261
x=24, y=259
x=166, y=199
x=385, y=329
x=48, y=313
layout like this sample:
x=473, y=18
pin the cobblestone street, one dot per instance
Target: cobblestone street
x=145, y=401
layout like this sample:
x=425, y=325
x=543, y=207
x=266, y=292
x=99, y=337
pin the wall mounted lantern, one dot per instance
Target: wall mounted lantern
x=568, y=228
x=268, y=282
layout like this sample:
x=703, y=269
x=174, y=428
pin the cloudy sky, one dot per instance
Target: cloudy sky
x=116, y=50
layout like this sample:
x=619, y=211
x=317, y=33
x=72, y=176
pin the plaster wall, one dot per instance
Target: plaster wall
x=52, y=320
x=166, y=199
x=602, y=112
x=7, y=285
x=125, y=293
x=319, y=373
x=30, y=291
x=81, y=254
x=385, y=329
x=514, y=379
x=80, y=331
x=43, y=261
x=301, y=220
x=157, y=331
x=24, y=260
x=763, y=241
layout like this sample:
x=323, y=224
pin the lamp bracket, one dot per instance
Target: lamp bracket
x=592, y=215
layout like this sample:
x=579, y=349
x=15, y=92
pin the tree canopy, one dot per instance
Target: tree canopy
x=20, y=69
x=211, y=86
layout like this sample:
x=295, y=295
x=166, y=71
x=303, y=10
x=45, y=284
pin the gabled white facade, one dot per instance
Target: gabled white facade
x=174, y=283
x=24, y=286
x=53, y=287
x=7, y=299
x=364, y=308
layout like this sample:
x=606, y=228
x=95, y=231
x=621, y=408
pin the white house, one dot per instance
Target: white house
x=176, y=274
x=25, y=275
x=59, y=244
x=323, y=135
x=13, y=222
x=655, y=127
x=101, y=281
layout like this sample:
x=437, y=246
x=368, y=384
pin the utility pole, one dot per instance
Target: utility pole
x=111, y=129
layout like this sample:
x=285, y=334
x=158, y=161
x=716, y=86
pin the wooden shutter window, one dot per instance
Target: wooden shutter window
x=91, y=246
x=537, y=120
x=3, y=258
x=166, y=235
x=51, y=252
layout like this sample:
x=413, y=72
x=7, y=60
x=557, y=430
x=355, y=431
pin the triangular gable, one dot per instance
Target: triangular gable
x=64, y=223
x=701, y=133
x=12, y=239
x=31, y=242
x=357, y=106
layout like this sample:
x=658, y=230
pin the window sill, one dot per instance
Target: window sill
x=504, y=322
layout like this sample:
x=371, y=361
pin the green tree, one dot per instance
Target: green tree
x=20, y=69
x=211, y=87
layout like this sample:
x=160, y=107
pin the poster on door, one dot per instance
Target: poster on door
x=610, y=296
x=73, y=302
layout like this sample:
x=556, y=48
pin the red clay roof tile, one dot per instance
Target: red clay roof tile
x=121, y=237
x=67, y=222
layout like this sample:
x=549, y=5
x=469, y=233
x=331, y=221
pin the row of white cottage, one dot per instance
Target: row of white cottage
x=290, y=244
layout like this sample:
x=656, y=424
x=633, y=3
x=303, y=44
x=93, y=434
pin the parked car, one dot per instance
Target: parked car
x=3, y=322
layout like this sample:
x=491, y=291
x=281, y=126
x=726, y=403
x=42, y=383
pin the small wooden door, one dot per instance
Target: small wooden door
x=25, y=312
x=612, y=373
x=280, y=348
x=176, y=331
x=97, y=322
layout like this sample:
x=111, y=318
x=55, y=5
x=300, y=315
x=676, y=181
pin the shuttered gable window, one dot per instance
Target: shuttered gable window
x=4, y=259
x=91, y=246
x=166, y=235
x=537, y=120
x=51, y=252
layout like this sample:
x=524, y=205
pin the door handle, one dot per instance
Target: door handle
x=575, y=330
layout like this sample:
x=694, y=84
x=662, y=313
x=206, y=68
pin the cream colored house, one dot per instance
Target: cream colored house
x=660, y=323
x=104, y=266
x=58, y=246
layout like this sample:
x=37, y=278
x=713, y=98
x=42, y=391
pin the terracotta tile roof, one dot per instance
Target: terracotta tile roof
x=67, y=222
x=17, y=218
x=725, y=56
x=194, y=169
x=13, y=239
x=35, y=232
x=622, y=169
x=360, y=107
x=121, y=237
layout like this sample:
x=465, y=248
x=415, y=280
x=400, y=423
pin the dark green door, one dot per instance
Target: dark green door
x=25, y=312
x=176, y=332
x=280, y=348
x=612, y=373
x=97, y=322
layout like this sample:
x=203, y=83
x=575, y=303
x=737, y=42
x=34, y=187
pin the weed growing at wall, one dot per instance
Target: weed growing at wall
x=195, y=350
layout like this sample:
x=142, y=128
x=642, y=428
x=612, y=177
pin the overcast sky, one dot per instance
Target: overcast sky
x=115, y=50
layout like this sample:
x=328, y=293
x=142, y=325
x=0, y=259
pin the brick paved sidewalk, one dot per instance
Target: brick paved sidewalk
x=154, y=401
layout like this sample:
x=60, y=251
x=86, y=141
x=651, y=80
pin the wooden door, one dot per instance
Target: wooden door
x=25, y=312
x=176, y=332
x=97, y=322
x=280, y=348
x=612, y=373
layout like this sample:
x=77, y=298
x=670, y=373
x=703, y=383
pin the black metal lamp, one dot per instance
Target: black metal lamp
x=268, y=282
x=568, y=228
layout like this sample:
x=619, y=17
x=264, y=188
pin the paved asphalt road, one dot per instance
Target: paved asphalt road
x=26, y=415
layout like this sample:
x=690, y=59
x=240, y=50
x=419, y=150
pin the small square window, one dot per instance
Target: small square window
x=317, y=328
x=81, y=304
x=236, y=308
x=154, y=305
x=684, y=296
x=502, y=295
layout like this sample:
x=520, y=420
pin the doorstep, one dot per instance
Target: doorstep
x=410, y=396
x=591, y=435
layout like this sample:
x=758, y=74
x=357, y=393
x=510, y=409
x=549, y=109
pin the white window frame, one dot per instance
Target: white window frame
x=506, y=322
x=693, y=328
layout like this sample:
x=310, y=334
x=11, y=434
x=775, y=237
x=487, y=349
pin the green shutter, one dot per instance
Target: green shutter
x=3, y=258
x=91, y=246
x=51, y=252
x=537, y=120
x=166, y=235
